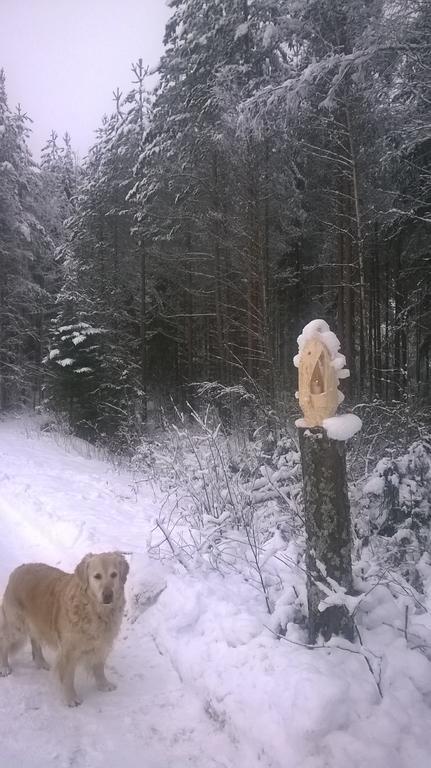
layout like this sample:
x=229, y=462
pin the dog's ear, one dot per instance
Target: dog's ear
x=81, y=570
x=123, y=567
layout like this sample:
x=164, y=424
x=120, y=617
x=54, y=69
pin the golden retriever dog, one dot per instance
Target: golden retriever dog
x=79, y=614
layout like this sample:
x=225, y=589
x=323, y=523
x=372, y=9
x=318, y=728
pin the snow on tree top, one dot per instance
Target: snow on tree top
x=84, y=330
x=269, y=34
x=78, y=338
x=242, y=29
x=7, y=166
x=66, y=361
x=25, y=230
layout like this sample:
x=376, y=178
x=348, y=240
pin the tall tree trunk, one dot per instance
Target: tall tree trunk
x=341, y=287
x=253, y=288
x=3, y=377
x=349, y=301
x=378, y=374
x=363, y=372
x=218, y=290
x=188, y=308
x=371, y=328
x=387, y=324
x=143, y=327
x=400, y=346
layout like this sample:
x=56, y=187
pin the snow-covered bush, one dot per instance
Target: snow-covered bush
x=233, y=504
x=394, y=511
x=387, y=428
x=228, y=506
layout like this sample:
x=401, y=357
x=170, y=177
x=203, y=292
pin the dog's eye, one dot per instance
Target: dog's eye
x=114, y=575
x=98, y=576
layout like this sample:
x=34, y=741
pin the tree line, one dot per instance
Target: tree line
x=279, y=171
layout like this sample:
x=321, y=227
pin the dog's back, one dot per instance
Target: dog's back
x=31, y=601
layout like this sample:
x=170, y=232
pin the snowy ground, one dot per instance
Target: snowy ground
x=201, y=681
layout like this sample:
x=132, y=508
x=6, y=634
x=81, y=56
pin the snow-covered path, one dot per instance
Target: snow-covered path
x=55, y=505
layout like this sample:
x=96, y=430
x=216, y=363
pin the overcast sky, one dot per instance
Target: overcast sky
x=63, y=59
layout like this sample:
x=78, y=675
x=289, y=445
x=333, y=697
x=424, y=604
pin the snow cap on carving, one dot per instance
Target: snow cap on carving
x=321, y=366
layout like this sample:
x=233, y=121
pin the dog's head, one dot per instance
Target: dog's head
x=103, y=576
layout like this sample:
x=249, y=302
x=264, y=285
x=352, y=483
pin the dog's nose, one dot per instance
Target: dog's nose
x=107, y=595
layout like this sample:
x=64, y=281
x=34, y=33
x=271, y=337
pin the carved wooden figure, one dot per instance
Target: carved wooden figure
x=318, y=383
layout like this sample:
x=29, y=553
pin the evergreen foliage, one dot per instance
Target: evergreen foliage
x=280, y=170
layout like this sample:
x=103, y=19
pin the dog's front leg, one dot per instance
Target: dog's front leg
x=99, y=675
x=66, y=671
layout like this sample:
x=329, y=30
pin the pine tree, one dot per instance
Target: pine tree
x=26, y=253
x=204, y=187
x=101, y=301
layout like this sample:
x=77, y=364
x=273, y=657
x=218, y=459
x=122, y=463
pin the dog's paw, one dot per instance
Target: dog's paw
x=74, y=701
x=43, y=665
x=5, y=670
x=106, y=686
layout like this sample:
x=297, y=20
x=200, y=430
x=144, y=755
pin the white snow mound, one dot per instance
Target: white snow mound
x=342, y=427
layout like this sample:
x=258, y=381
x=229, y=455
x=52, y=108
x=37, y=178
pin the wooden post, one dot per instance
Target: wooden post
x=326, y=501
x=327, y=525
